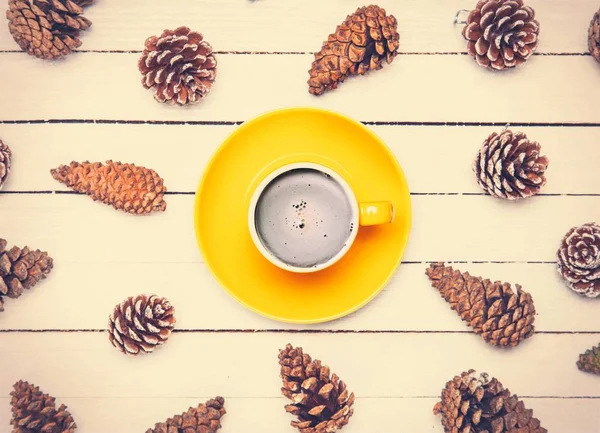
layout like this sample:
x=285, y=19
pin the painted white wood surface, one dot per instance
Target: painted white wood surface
x=397, y=352
x=302, y=25
x=413, y=88
x=397, y=377
x=179, y=153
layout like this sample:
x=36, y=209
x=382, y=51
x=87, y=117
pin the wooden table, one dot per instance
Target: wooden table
x=433, y=106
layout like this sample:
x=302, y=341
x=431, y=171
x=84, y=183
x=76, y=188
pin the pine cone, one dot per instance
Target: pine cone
x=206, y=418
x=510, y=166
x=138, y=325
x=35, y=412
x=578, y=259
x=480, y=405
x=360, y=44
x=494, y=311
x=590, y=361
x=320, y=401
x=126, y=187
x=5, y=157
x=47, y=29
x=501, y=34
x=594, y=36
x=179, y=65
x=21, y=269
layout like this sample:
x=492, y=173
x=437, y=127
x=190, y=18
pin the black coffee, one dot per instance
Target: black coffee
x=304, y=217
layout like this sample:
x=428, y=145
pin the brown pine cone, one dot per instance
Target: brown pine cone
x=35, y=412
x=47, y=29
x=321, y=401
x=5, y=157
x=21, y=269
x=479, y=405
x=494, y=311
x=138, y=325
x=360, y=44
x=589, y=361
x=179, y=65
x=578, y=259
x=594, y=36
x=501, y=34
x=206, y=418
x=126, y=187
x=510, y=166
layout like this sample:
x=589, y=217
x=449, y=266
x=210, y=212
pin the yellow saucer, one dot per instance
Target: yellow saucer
x=249, y=154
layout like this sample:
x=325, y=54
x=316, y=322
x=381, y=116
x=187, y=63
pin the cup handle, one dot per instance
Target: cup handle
x=374, y=213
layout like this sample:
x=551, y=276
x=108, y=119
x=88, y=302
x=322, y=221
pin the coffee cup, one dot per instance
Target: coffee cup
x=304, y=217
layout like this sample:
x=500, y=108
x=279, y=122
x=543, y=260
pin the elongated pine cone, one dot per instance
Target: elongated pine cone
x=5, y=158
x=578, y=259
x=36, y=412
x=594, y=36
x=47, y=29
x=206, y=418
x=494, y=311
x=471, y=404
x=140, y=324
x=361, y=43
x=501, y=34
x=20, y=269
x=126, y=187
x=179, y=65
x=320, y=400
x=589, y=361
x=510, y=166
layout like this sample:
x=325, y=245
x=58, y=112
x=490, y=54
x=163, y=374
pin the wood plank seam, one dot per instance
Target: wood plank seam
x=239, y=122
x=281, y=331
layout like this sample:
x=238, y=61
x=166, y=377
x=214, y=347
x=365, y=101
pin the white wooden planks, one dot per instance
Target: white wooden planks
x=435, y=159
x=293, y=25
x=81, y=296
x=472, y=228
x=245, y=364
x=266, y=415
x=414, y=88
x=398, y=351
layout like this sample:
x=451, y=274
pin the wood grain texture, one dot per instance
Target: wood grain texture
x=81, y=296
x=180, y=153
x=398, y=351
x=266, y=415
x=293, y=25
x=473, y=228
x=413, y=88
x=245, y=364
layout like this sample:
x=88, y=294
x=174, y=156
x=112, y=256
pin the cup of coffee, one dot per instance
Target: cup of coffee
x=303, y=217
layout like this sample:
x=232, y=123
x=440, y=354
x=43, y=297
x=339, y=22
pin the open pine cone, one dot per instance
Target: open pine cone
x=138, y=325
x=179, y=65
x=320, y=401
x=495, y=311
x=5, y=157
x=20, y=269
x=35, y=412
x=47, y=29
x=480, y=405
x=589, y=361
x=206, y=418
x=127, y=187
x=501, y=34
x=578, y=259
x=594, y=36
x=510, y=166
x=361, y=43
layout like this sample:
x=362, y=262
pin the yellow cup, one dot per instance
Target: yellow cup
x=304, y=216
